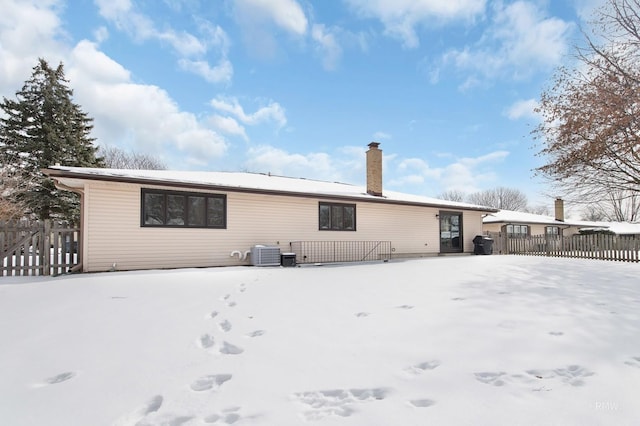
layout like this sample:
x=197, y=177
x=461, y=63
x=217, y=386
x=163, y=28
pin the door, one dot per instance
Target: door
x=450, y=232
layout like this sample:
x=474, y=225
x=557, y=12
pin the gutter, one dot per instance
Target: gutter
x=79, y=266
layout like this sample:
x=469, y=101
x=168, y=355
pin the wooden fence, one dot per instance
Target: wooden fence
x=37, y=248
x=625, y=248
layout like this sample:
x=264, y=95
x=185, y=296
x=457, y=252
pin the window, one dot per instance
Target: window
x=337, y=217
x=553, y=231
x=517, y=231
x=183, y=209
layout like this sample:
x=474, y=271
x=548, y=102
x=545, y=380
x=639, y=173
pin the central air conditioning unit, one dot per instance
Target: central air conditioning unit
x=265, y=256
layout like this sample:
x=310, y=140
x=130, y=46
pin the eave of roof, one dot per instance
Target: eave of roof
x=354, y=193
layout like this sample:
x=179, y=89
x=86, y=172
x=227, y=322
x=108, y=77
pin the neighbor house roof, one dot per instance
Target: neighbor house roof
x=514, y=217
x=248, y=182
x=619, y=228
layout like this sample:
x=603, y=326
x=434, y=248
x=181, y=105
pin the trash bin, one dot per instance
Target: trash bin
x=288, y=259
x=482, y=245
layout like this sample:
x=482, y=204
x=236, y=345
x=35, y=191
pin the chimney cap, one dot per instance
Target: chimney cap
x=374, y=145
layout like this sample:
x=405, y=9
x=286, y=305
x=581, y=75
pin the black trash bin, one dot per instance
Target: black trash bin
x=482, y=245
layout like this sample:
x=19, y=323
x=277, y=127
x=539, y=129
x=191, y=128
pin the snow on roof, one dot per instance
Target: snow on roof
x=510, y=216
x=253, y=181
x=620, y=228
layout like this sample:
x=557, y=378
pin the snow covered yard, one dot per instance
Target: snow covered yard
x=473, y=340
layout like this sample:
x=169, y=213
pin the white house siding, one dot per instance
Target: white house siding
x=114, y=238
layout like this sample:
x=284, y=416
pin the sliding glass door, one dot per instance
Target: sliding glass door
x=450, y=232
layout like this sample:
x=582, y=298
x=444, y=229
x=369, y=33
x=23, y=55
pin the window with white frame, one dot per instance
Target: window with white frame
x=517, y=231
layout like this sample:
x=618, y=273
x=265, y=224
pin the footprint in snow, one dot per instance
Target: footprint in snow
x=362, y=314
x=206, y=341
x=423, y=366
x=405, y=307
x=492, y=378
x=59, y=378
x=634, y=361
x=137, y=417
x=225, y=325
x=256, y=333
x=209, y=382
x=572, y=375
x=153, y=404
x=422, y=403
x=556, y=333
x=213, y=314
x=228, y=416
x=229, y=349
x=231, y=304
x=337, y=402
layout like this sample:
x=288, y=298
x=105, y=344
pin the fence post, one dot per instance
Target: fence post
x=45, y=254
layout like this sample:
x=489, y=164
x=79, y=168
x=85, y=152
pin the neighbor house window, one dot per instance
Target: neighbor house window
x=552, y=231
x=517, y=231
x=337, y=217
x=183, y=209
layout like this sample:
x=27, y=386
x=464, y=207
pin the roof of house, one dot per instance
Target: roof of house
x=248, y=182
x=510, y=216
x=620, y=228
x=513, y=217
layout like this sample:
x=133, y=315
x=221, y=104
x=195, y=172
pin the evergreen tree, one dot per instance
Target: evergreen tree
x=42, y=127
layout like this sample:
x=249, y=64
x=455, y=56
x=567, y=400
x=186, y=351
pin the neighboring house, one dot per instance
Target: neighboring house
x=144, y=219
x=618, y=228
x=515, y=224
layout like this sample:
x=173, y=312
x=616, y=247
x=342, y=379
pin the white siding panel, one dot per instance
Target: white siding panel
x=114, y=235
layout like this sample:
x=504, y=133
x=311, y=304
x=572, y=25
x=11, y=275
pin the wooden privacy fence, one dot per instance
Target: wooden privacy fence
x=340, y=251
x=37, y=248
x=625, y=248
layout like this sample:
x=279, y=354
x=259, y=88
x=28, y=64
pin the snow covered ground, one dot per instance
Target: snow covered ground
x=471, y=340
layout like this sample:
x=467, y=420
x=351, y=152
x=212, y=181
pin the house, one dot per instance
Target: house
x=617, y=228
x=516, y=224
x=145, y=219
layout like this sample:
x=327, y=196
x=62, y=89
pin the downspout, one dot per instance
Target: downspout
x=79, y=266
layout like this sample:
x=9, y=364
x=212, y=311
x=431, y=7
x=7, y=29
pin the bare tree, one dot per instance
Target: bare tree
x=500, y=198
x=590, y=132
x=11, y=184
x=540, y=209
x=116, y=158
x=452, y=195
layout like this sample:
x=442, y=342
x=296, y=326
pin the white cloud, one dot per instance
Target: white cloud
x=520, y=40
x=401, y=17
x=522, y=108
x=286, y=14
x=272, y=112
x=28, y=30
x=327, y=45
x=346, y=164
x=279, y=162
x=260, y=21
x=379, y=136
x=143, y=117
x=190, y=48
x=221, y=73
x=228, y=125
x=467, y=174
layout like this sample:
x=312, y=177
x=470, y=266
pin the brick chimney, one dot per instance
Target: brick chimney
x=374, y=170
x=559, y=209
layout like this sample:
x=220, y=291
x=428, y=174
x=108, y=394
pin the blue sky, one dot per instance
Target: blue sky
x=299, y=88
